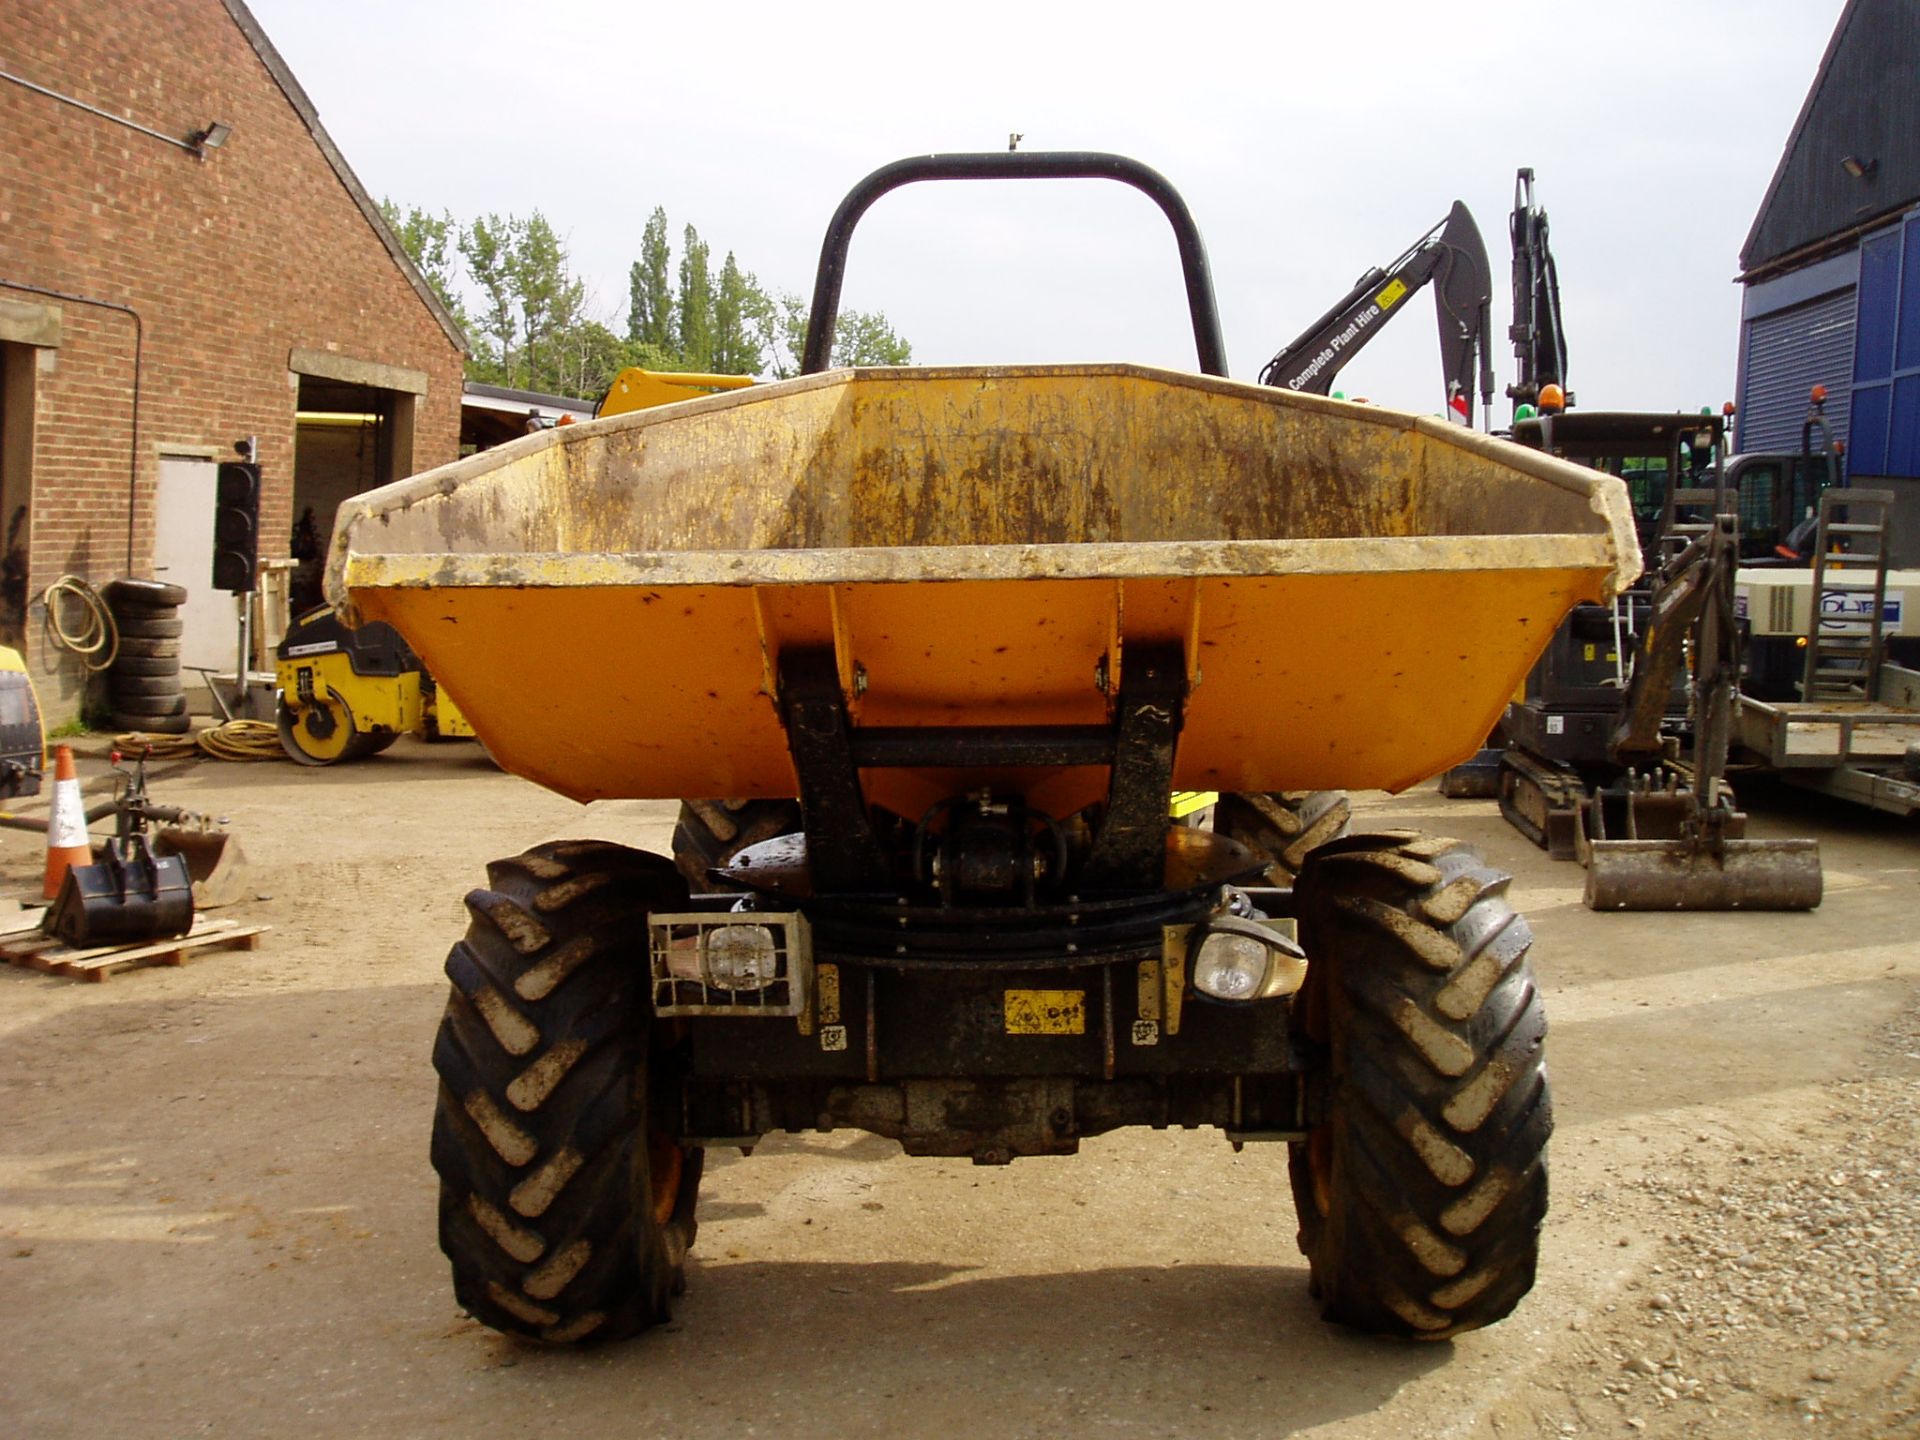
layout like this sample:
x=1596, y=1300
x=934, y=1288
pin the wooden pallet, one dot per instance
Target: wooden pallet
x=31, y=950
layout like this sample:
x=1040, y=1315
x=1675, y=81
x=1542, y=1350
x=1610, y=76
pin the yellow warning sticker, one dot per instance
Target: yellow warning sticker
x=1046, y=1012
x=1587, y=651
x=1390, y=296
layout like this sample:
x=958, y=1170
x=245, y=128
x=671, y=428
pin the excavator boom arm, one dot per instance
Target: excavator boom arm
x=1539, y=338
x=1451, y=254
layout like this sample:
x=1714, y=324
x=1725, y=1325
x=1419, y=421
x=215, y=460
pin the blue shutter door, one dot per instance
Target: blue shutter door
x=1788, y=353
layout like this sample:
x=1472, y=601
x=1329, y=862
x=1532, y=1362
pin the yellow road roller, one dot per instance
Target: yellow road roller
x=346, y=693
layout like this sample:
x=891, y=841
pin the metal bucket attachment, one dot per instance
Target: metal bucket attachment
x=1684, y=875
x=215, y=863
x=1475, y=779
x=130, y=896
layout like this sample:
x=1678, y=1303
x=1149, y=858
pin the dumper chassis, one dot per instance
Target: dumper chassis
x=989, y=976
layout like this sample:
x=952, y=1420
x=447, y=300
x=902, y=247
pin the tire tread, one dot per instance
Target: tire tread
x=1429, y=1031
x=553, y=1239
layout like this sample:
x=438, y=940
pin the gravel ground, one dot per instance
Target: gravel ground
x=1783, y=1291
x=216, y=1214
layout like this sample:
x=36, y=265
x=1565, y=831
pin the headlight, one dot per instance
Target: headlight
x=739, y=957
x=1235, y=959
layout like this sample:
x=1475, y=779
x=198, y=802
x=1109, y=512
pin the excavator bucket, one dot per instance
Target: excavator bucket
x=131, y=896
x=216, y=865
x=1691, y=874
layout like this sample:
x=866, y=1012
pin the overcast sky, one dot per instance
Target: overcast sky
x=1310, y=143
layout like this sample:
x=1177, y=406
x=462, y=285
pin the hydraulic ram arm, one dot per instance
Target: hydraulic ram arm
x=1453, y=256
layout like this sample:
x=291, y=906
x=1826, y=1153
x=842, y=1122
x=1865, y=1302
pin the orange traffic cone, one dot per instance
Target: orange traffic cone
x=67, y=827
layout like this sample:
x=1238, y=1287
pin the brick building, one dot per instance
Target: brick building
x=218, y=272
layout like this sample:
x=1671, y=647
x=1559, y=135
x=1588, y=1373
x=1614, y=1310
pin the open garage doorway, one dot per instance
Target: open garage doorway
x=349, y=438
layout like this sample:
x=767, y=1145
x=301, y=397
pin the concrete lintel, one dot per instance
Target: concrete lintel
x=327, y=365
x=167, y=449
x=27, y=322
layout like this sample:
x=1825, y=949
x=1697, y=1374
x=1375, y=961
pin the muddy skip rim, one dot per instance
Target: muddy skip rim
x=1611, y=545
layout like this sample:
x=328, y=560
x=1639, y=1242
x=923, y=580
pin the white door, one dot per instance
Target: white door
x=183, y=555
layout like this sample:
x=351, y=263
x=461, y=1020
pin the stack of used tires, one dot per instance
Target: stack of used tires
x=143, y=683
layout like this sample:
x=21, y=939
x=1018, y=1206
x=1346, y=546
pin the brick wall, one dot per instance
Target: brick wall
x=232, y=262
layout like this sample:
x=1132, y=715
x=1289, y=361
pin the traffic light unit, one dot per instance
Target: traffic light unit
x=236, y=526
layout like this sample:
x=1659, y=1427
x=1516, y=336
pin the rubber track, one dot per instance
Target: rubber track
x=1285, y=826
x=712, y=832
x=1422, y=1007
x=539, y=1138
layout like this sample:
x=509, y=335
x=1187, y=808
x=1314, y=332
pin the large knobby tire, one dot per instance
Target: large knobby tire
x=1422, y=1184
x=566, y=1211
x=1284, y=826
x=712, y=832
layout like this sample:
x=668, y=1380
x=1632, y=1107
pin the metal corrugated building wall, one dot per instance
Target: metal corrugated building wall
x=1796, y=330
x=1785, y=355
x=1826, y=289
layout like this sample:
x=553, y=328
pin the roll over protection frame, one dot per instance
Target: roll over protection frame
x=1015, y=165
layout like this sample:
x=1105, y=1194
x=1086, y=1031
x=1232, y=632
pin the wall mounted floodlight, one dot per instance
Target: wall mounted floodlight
x=1856, y=167
x=196, y=144
x=212, y=138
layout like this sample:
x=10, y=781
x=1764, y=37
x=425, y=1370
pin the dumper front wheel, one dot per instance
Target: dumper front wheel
x=566, y=1206
x=1421, y=1185
x=712, y=832
x=1284, y=825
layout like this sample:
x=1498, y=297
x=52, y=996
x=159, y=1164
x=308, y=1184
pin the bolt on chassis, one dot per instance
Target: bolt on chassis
x=953, y=638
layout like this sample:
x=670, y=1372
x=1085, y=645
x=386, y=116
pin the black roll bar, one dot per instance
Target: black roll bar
x=1015, y=165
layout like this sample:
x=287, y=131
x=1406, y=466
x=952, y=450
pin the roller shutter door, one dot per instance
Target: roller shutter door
x=1788, y=353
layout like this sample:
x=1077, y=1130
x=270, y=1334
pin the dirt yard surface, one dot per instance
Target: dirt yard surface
x=217, y=1215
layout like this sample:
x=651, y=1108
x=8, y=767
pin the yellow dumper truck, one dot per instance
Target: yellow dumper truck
x=981, y=623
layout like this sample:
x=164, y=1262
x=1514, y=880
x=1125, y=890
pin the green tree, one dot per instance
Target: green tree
x=860, y=337
x=783, y=332
x=736, y=309
x=584, y=358
x=527, y=315
x=863, y=337
x=546, y=294
x=432, y=243
x=695, y=328
x=487, y=246
x=650, y=316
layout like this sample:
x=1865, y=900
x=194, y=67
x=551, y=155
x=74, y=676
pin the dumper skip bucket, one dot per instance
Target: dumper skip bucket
x=1355, y=592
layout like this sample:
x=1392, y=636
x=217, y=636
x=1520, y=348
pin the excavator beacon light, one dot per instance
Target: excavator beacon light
x=1819, y=394
x=1552, y=397
x=1726, y=408
x=1524, y=412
